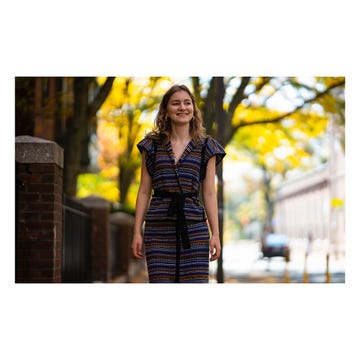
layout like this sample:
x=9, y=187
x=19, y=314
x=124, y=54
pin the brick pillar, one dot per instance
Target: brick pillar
x=39, y=187
x=100, y=237
x=125, y=265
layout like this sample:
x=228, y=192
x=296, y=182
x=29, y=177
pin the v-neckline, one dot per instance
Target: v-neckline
x=186, y=151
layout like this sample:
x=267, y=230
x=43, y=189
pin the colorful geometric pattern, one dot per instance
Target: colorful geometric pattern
x=167, y=261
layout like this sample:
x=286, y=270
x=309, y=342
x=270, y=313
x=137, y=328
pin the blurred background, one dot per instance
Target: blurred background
x=280, y=188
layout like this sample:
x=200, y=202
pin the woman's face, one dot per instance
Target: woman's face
x=180, y=108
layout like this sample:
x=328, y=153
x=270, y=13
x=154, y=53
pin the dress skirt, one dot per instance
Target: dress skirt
x=167, y=261
x=176, y=234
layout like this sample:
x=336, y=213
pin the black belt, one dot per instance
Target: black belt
x=176, y=207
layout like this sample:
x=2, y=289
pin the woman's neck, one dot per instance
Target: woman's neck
x=180, y=133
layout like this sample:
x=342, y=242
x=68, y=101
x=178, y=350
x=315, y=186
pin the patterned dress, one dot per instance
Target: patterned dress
x=176, y=234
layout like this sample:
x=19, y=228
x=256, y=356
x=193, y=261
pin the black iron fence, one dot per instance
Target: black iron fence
x=76, y=243
x=79, y=249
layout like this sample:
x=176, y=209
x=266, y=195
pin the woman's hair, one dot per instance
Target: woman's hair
x=162, y=128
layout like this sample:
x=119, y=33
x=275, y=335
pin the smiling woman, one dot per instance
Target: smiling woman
x=176, y=157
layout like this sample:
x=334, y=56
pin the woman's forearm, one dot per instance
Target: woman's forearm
x=210, y=198
x=143, y=198
x=142, y=203
x=210, y=202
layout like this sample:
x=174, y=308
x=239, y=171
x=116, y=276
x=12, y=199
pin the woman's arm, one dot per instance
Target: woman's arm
x=211, y=208
x=142, y=203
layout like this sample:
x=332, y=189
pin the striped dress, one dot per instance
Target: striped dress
x=176, y=235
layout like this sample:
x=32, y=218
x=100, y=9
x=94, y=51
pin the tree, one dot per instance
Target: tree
x=231, y=104
x=129, y=110
x=88, y=98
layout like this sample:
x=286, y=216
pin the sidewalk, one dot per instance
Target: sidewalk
x=140, y=277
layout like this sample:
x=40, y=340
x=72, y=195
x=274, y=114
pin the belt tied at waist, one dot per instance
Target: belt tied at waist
x=176, y=207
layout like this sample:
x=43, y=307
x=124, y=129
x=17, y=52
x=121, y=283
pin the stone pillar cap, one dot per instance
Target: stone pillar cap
x=94, y=201
x=33, y=150
x=122, y=218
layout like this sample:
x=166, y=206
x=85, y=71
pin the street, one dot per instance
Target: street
x=243, y=263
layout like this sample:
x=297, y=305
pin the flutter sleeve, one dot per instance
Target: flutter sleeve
x=147, y=145
x=213, y=148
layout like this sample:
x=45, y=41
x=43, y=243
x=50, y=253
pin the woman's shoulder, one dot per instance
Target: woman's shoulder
x=210, y=141
x=213, y=148
x=146, y=143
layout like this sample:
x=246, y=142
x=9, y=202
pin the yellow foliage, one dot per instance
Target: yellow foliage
x=95, y=184
x=111, y=172
x=123, y=119
x=337, y=203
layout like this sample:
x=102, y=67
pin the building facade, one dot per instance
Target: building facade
x=312, y=206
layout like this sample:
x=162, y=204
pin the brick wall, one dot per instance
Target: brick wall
x=38, y=243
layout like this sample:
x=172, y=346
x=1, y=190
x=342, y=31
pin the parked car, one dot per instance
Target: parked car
x=276, y=245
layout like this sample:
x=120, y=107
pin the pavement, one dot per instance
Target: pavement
x=243, y=263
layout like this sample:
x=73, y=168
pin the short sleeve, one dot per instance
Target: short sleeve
x=213, y=148
x=147, y=144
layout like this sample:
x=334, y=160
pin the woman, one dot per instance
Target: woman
x=176, y=158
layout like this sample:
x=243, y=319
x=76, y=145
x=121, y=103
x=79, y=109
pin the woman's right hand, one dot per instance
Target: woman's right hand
x=137, y=246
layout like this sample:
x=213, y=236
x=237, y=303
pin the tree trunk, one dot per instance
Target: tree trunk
x=76, y=127
x=24, y=106
x=269, y=200
x=126, y=177
x=219, y=92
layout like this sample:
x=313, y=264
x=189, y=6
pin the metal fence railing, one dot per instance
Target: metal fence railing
x=76, y=243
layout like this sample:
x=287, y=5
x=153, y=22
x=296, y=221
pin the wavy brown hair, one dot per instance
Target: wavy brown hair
x=162, y=128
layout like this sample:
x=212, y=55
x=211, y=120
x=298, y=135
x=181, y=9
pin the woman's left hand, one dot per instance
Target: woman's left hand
x=215, y=248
